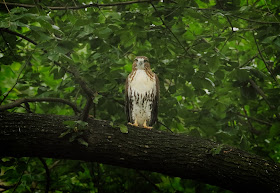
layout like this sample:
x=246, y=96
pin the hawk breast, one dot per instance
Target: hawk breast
x=141, y=92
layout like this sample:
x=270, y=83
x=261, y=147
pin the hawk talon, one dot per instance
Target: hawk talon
x=145, y=125
x=135, y=124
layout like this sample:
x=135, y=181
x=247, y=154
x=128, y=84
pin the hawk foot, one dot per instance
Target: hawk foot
x=146, y=127
x=135, y=124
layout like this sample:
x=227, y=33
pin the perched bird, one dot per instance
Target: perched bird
x=142, y=94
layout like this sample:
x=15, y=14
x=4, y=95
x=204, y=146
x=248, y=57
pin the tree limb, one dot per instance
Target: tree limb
x=81, y=6
x=172, y=154
x=48, y=99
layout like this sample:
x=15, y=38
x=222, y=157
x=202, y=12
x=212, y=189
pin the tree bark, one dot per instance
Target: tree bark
x=33, y=135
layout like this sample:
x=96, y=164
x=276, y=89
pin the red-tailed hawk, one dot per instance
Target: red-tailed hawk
x=142, y=94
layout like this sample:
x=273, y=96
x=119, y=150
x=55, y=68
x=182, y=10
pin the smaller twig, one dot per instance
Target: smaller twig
x=18, y=34
x=78, y=79
x=168, y=28
x=222, y=7
x=82, y=6
x=255, y=86
x=48, y=179
x=260, y=92
x=266, y=65
x=54, y=164
x=6, y=6
x=6, y=187
x=7, y=44
x=148, y=180
x=255, y=21
x=254, y=119
x=19, y=181
x=253, y=130
x=5, y=96
x=165, y=126
x=27, y=107
x=49, y=99
x=251, y=59
x=86, y=109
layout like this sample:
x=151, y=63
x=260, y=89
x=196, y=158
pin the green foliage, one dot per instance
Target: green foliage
x=218, y=65
x=76, y=130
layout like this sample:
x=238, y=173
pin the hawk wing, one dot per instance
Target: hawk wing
x=155, y=101
x=127, y=103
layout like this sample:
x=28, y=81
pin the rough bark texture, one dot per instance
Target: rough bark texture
x=171, y=154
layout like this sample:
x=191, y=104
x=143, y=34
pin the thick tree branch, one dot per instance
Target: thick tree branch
x=49, y=99
x=152, y=150
x=81, y=6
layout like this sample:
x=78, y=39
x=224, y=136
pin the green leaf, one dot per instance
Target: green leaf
x=96, y=98
x=219, y=74
x=216, y=150
x=269, y=39
x=214, y=63
x=82, y=123
x=123, y=128
x=69, y=124
x=65, y=133
x=275, y=130
x=83, y=142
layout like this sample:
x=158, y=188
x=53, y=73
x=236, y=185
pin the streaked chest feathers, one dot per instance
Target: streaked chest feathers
x=141, y=92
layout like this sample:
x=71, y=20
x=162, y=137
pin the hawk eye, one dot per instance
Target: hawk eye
x=146, y=60
x=135, y=59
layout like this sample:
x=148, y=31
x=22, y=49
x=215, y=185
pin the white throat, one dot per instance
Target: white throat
x=140, y=64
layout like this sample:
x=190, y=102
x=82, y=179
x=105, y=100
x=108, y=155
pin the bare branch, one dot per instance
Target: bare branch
x=12, y=86
x=254, y=119
x=26, y=100
x=48, y=179
x=6, y=6
x=163, y=22
x=19, y=180
x=82, y=6
x=255, y=21
x=18, y=34
x=220, y=4
x=253, y=130
x=257, y=88
x=266, y=65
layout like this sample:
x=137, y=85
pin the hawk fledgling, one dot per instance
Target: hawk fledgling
x=142, y=94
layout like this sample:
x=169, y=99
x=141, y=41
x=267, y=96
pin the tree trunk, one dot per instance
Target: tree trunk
x=172, y=154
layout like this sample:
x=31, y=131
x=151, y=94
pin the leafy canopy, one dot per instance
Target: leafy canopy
x=217, y=61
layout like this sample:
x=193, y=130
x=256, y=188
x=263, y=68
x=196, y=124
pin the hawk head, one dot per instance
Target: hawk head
x=141, y=63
